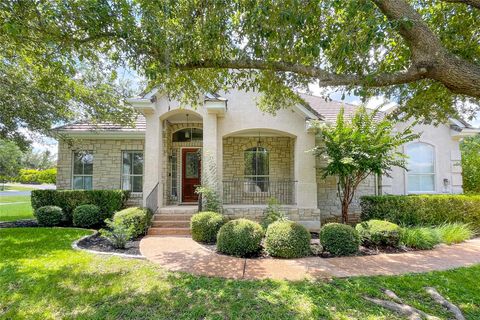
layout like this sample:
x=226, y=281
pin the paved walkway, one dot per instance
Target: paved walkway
x=184, y=254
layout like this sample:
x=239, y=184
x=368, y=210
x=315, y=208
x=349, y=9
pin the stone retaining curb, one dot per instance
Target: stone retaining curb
x=75, y=246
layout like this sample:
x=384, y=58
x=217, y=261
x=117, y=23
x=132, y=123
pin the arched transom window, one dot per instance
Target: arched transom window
x=421, y=168
x=257, y=168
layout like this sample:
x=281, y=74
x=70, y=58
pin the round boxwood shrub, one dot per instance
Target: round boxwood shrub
x=49, y=216
x=86, y=216
x=379, y=233
x=339, y=239
x=205, y=226
x=135, y=219
x=240, y=237
x=287, y=239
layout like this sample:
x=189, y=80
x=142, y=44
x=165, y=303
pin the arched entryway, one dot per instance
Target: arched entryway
x=183, y=141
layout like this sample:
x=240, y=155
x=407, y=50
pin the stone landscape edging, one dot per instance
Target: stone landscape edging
x=75, y=246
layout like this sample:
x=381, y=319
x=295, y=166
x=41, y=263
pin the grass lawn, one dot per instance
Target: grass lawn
x=43, y=278
x=15, y=187
x=15, y=208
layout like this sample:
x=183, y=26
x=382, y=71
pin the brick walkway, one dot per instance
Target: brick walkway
x=184, y=254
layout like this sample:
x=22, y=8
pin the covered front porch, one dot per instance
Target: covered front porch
x=246, y=161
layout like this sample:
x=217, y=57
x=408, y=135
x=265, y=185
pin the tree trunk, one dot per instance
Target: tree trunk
x=345, y=206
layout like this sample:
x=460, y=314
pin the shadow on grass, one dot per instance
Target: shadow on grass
x=44, y=278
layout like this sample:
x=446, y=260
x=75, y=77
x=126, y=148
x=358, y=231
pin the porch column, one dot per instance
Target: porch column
x=153, y=157
x=211, y=152
x=305, y=172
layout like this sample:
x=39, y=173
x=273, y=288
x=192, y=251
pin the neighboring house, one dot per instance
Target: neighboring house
x=247, y=155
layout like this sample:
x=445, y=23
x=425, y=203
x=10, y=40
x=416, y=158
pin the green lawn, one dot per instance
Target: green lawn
x=43, y=278
x=15, y=208
x=16, y=187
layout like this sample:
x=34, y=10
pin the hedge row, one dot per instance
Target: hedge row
x=109, y=201
x=34, y=176
x=423, y=209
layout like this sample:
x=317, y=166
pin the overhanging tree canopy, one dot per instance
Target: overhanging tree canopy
x=423, y=54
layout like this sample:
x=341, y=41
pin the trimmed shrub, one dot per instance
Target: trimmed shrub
x=86, y=216
x=287, y=239
x=134, y=218
x=240, y=237
x=205, y=226
x=417, y=210
x=422, y=238
x=49, y=216
x=339, y=239
x=454, y=232
x=109, y=201
x=379, y=233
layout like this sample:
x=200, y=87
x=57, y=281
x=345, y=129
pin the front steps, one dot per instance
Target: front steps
x=172, y=221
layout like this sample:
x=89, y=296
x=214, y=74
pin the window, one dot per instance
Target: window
x=256, y=169
x=188, y=134
x=421, y=168
x=132, y=171
x=82, y=170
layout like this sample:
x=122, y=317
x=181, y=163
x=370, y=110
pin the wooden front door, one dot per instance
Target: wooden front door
x=191, y=169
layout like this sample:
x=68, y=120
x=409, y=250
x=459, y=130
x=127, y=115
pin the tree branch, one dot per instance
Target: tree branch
x=324, y=77
x=473, y=3
x=457, y=74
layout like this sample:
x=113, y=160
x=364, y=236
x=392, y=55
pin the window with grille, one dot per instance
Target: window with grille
x=82, y=177
x=257, y=169
x=132, y=171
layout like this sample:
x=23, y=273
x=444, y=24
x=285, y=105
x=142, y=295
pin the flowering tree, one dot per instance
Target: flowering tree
x=354, y=149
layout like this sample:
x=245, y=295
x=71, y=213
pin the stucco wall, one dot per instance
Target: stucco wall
x=447, y=162
x=107, y=161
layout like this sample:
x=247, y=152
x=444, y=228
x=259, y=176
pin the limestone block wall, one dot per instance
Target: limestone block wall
x=280, y=155
x=281, y=166
x=107, y=161
x=309, y=217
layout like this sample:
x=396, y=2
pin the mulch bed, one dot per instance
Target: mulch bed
x=318, y=251
x=27, y=223
x=96, y=242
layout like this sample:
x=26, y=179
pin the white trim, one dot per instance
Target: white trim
x=435, y=169
x=305, y=112
x=105, y=134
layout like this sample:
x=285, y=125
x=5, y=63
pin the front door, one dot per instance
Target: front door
x=191, y=168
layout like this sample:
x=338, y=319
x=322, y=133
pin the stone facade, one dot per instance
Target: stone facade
x=280, y=150
x=308, y=217
x=281, y=165
x=107, y=161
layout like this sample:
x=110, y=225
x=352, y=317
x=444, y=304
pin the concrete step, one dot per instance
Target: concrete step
x=172, y=217
x=171, y=224
x=169, y=231
x=178, y=210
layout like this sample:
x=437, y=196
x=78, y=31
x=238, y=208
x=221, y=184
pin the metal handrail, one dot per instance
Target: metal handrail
x=251, y=191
